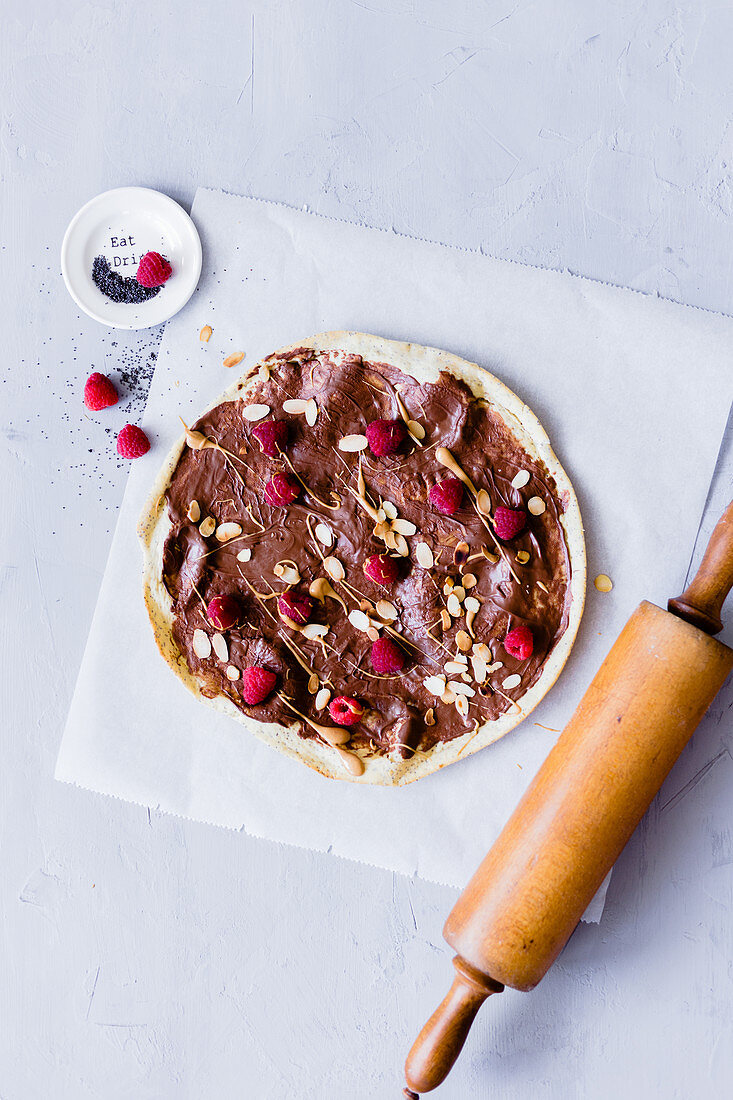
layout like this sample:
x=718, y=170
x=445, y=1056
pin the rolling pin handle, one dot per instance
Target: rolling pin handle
x=702, y=601
x=441, y=1040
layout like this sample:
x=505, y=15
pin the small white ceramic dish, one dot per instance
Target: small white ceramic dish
x=122, y=225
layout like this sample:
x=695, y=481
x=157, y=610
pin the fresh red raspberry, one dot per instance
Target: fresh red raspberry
x=345, y=711
x=296, y=606
x=519, y=642
x=508, y=522
x=282, y=489
x=153, y=270
x=257, y=683
x=224, y=612
x=132, y=442
x=385, y=436
x=99, y=392
x=272, y=436
x=447, y=496
x=382, y=569
x=387, y=657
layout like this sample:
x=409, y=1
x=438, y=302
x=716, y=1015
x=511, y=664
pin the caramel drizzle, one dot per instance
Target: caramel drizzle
x=332, y=507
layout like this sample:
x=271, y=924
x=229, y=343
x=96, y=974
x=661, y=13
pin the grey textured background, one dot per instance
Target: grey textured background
x=144, y=957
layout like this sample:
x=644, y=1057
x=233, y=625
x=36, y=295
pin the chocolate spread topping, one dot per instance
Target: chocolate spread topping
x=228, y=485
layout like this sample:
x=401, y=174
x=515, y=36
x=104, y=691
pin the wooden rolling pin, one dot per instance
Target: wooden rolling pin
x=520, y=908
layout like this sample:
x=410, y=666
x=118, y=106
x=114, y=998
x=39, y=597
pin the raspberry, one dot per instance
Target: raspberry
x=387, y=657
x=345, y=711
x=447, y=495
x=272, y=436
x=153, y=270
x=296, y=606
x=132, y=442
x=519, y=642
x=99, y=392
x=282, y=489
x=508, y=522
x=382, y=569
x=224, y=612
x=385, y=436
x=257, y=683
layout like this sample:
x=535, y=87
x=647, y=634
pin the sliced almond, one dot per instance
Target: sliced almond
x=324, y=534
x=389, y=509
x=459, y=592
x=462, y=706
x=233, y=672
x=454, y=607
x=386, y=610
x=313, y=631
x=234, y=358
x=381, y=515
x=511, y=681
x=445, y=619
x=287, y=571
x=403, y=527
x=520, y=480
x=334, y=568
x=463, y=641
x=194, y=511
x=483, y=502
x=295, y=407
x=495, y=667
x=353, y=443
x=522, y=557
x=226, y=531
x=415, y=429
x=493, y=558
x=244, y=555
x=255, y=412
x=208, y=526
x=372, y=633
x=201, y=644
x=311, y=412
x=430, y=717
x=461, y=689
x=424, y=555
x=448, y=696
x=479, y=669
x=482, y=650
x=536, y=506
x=453, y=668
x=322, y=698
x=313, y=683
x=400, y=545
x=460, y=554
x=220, y=647
x=435, y=685
x=448, y=586
x=603, y=583
x=264, y=372
x=469, y=580
x=472, y=604
x=206, y=334
x=359, y=620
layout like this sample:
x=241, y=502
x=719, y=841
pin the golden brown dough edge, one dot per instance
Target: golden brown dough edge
x=423, y=364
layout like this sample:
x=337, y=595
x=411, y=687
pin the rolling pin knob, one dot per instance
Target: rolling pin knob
x=702, y=601
x=441, y=1040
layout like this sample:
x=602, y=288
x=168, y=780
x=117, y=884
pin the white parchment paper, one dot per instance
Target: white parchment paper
x=634, y=393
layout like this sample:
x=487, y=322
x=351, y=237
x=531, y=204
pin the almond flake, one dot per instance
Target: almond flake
x=435, y=685
x=233, y=672
x=313, y=683
x=205, y=334
x=312, y=631
x=461, y=688
x=462, y=706
x=448, y=587
x=264, y=372
x=324, y=534
x=372, y=633
x=520, y=480
x=220, y=647
x=495, y=667
x=359, y=620
x=479, y=669
x=453, y=668
x=536, y=506
x=482, y=650
x=322, y=698
x=244, y=555
x=512, y=681
x=459, y=592
x=415, y=429
x=448, y=696
x=463, y=641
x=469, y=581
x=389, y=509
x=386, y=610
x=208, y=526
x=381, y=515
x=311, y=412
x=400, y=545
x=334, y=568
x=424, y=555
x=194, y=511
x=295, y=407
x=201, y=644
x=460, y=554
x=493, y=558
x=403, y=527
x=483, y=502
x=233, y=359
x=255, y=412
x=353, y=443
x=226, y=531
x=522, y=557
x=445, y=619
x=472, y=604
x=603, y=583
x=430, y=717
x=287, y=572
x=454, y=607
